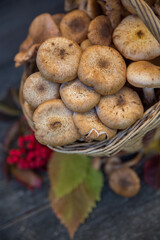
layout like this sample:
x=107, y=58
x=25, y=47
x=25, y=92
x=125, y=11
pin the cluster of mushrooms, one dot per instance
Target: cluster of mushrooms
x=89, y=70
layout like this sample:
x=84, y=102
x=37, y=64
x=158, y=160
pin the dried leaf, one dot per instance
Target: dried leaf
x=67, y=171
x=8, y=111
x=151, y=172
x=10, y=136
x=75, y=207
x=27, y=177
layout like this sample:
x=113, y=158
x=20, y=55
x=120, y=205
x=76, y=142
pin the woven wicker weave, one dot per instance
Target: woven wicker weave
x=131, y=139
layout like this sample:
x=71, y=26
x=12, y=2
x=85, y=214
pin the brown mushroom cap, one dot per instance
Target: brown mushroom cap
x=143, y=74
x=125, y=182
x=85, y=44
x=121, y=110
x=58, y=59
x=74, y=25
x=57, y=18
x=102, y=68
x=37, y=90
x=100, y=31
x=134, y=41
x=28, y=110
x=91, y=128
x=54, y=124
x=78, y=97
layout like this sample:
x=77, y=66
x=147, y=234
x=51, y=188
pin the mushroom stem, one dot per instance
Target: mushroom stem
x=149, y=94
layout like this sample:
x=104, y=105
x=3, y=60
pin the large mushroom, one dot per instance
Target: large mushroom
x=144, y=75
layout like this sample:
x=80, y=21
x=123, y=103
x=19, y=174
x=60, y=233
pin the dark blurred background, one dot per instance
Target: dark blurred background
x=26, y=215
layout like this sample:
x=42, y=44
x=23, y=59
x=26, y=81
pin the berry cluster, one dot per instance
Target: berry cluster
x=30, y=154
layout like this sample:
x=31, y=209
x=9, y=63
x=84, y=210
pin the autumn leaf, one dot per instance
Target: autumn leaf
x=67, y=171
x=74, y=208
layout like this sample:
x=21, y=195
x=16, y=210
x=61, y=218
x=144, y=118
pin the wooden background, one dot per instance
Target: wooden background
x=26, y=215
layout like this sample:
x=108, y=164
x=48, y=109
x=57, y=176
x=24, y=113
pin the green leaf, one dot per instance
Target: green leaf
x=75, y=207
x=66, y=172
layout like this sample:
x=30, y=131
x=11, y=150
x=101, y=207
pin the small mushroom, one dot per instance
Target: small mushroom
x=134, y=41
x=91, y=128
x=102, y=68
x=144, y=75
x=58, y=59
x=121, y=110
x=91, y=7
x=54, y=124
x=78, y=97
x=37, y=90
x=57, y=18
x=127, y=5
x=28, y=109
x=74, y=25
x=112, y=164
x=100, y=31
x=125, y=182
x=85, y=44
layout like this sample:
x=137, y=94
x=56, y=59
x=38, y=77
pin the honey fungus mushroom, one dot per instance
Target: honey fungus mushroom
x=121, y=110
x=74, y=25
x=91, y=128
x=85, y=44
x=132, y=38
x=144, y=75
x=54, y=124
x=125, y=182
x=78, y=97
x=37, y=90
x=100, y=31
x=58, y=59
x=102, y=68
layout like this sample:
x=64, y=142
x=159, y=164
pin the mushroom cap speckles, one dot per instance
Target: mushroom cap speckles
x=78, y=97
x=134, y=41
x=102, y=68
x=58, y=59
x=143, y=74
x=91, y=128
x=54, y=124
x=74, y=25
x=37, y=90
x=100, y=31
x=121, y=110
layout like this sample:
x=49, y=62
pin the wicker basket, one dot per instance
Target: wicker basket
x=131, y=139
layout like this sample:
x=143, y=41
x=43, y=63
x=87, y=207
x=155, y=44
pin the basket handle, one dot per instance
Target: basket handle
x=147, y=15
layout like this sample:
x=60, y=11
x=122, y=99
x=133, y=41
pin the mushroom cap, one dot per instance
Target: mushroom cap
x=134, y=41
x=100, y=31
x=93, y=8
x=58, y=59
x=74, y=25
x=54, y=124
x=57, y=18
x=121, y=110
x=91, y=128
x=28, y=110
x=102, y=68
x=78, y=97
x=37, y=90
x=85, y=44
x=143, y=74
x=125, y=182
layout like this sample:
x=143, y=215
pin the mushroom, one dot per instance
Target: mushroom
x=74, y=25
x=134, y=41
x=78, y=97
x=100, y=31
x=28, y=109
x=57, y=18
x=54, y=124
x=127, y=5
x=144, y=75
x=37, y=90
x=125, y=182
x=121, y=110
x=85, y=44
x=58, y=59
x=91, y=7
x=91, y=128
x=102, y=68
